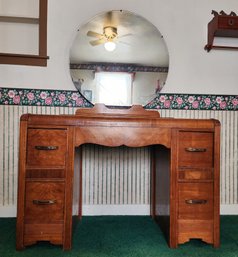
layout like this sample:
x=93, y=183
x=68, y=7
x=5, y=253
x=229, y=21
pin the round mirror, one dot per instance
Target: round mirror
x=119, y=58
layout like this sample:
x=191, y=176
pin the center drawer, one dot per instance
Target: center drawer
x=44, y=202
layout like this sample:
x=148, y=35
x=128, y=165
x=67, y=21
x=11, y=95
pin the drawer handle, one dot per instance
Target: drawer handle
x=42, y=147
x=191, y=149
x=195, y=201
x=44, y=202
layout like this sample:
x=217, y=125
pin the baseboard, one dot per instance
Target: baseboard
x=114, y=209
x=229, y=209
x=132, y=209
x=8, y=211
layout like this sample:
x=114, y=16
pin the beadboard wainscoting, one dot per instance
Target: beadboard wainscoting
x=116, y=181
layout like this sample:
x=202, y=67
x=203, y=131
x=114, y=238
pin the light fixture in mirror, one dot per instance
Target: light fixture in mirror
x=110, y=46
x=133, y=71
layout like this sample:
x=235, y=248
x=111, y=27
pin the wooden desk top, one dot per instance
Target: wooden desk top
x=132, y=127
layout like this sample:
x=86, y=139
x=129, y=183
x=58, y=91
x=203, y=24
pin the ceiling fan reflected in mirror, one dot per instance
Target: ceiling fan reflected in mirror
x=109, y=37
x=140, y=48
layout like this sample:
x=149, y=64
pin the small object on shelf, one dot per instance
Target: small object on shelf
x=222, y=25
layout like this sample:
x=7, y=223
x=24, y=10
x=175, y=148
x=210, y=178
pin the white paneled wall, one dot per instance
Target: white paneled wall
x=116, y=175
x=113, y=176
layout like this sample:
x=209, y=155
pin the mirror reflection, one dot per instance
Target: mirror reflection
x=119, y=58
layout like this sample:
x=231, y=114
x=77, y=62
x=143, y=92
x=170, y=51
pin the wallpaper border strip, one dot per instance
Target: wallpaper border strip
x=66, y=98
x=117, y=67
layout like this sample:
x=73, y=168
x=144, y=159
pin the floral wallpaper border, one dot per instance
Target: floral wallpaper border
x=65, y=98
x=116, y=67
x=42, y=97
x=194, y=102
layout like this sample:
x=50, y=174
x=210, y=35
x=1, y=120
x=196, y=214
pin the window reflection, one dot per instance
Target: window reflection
x=113, y=88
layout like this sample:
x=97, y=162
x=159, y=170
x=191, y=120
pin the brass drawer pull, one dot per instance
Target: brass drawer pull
x=195, y=201
x=42, y=147
x=191, y=149
x=44, y=202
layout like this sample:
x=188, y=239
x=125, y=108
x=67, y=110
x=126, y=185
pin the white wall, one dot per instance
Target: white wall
x=183, y=24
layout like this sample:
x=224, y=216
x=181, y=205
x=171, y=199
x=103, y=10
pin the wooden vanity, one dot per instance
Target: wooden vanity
x=185, y=171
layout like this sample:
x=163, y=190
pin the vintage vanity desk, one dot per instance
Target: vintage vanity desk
x=185, y=171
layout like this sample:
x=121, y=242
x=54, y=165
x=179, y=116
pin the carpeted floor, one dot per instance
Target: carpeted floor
x=122, y=236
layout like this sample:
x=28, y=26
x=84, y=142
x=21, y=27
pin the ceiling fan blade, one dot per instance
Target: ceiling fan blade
x=125, y=35
x=98, y=42
x=94, y=34
x=124, y=43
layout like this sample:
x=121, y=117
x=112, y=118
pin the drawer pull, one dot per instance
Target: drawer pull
x=44, y=202
x=191, y=149
x=42, y=147
x=195, y=201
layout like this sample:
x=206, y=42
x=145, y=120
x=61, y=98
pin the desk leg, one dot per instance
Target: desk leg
x=80, y=185
x=153, y=180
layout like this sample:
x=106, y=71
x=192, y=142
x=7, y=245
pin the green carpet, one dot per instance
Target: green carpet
x=122, y=236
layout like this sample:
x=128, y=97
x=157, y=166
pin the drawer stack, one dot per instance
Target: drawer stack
x=44, y=205
x=195, y=186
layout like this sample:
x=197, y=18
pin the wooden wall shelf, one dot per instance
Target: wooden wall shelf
x=222, y=25
x=15, y=19
x=40, y=58
x=23, y=59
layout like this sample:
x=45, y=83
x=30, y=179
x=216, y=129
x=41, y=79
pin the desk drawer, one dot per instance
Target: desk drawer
x=44, y=202
x=195, y=149
x=195, y=201
x=46, y=147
